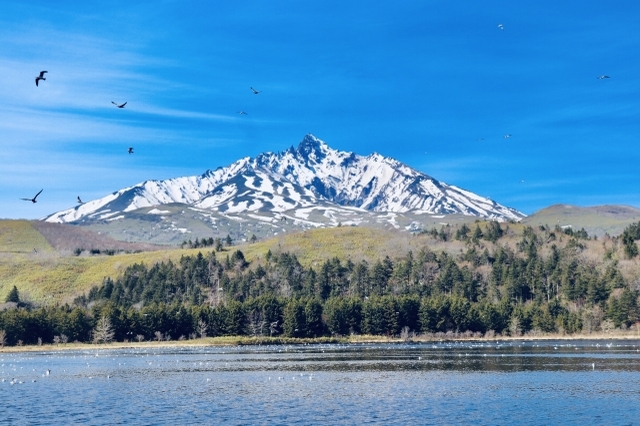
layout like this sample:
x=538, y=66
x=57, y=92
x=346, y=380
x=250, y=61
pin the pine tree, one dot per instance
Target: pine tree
x=313, y=318
x=629, y=236
x=13, y=295
x=477, y=234
x=294, y=318
x=463, y=233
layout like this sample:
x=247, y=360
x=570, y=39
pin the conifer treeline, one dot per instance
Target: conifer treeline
x=538, y=286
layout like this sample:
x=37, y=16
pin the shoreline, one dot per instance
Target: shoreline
x=223, y=341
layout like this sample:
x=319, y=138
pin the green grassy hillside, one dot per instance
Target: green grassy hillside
x=57, y=276
x=20, y=237
x=596, y=220
x=43, y=274
x=356, y=243
x=48, y=275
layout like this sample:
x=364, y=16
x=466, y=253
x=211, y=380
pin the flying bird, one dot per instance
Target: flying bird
x=507, y=136
x=501, y=26
x=119, y=106
x=79, y=200
x=33, y=200
x=602, y=77
x=40, y=77
x=130, y=150
x=242, y=113
x=255, y=92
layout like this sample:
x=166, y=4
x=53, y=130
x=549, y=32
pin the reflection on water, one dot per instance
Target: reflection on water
x=557, y=382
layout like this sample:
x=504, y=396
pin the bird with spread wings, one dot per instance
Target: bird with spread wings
x=33, y=200
x=40, y=77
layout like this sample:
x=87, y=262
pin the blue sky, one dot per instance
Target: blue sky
x=435, y=84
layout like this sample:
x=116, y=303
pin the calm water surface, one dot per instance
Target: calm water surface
x=556, y=382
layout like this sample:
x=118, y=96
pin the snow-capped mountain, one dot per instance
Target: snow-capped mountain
x=297, y=180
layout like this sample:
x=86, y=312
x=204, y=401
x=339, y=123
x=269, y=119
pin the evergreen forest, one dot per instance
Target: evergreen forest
x=541, y=280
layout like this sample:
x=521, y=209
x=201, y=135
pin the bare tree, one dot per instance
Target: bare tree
x=139, y=338
x=404, y=333
x=514, y=326
x=64, y=338
x=202, y=328
x=607, y=326
x=159, y=336
x=215, y=291
x=103, y=333
x=3, y=338
x=56, y=340
x=273, y=328
x=256, y=323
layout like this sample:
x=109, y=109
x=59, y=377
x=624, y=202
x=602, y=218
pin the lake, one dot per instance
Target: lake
x=515, y=382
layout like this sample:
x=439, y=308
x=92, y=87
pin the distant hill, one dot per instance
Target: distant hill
x=597, y=220
x=36, y=237
x=68, y=238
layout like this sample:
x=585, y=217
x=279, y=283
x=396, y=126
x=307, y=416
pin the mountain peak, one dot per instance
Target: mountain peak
x=313, y=148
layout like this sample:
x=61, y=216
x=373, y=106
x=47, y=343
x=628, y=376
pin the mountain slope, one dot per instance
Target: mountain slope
x=311, y=176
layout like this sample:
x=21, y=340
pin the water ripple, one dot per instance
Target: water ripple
x=437, y=383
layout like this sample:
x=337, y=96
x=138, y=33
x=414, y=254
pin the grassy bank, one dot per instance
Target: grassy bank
x=354, y=339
